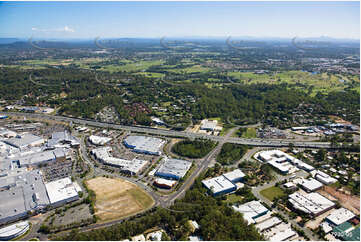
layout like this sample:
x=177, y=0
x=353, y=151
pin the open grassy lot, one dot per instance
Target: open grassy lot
x=131, y=67
x=272, y=192
x=117, y=198
x=233, y=198
x=322, y=82
x=192, y=69
x=248, y=133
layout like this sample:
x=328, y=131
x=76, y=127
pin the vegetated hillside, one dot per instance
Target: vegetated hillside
x=230, y=153
x=217, y=221
x=193, y=149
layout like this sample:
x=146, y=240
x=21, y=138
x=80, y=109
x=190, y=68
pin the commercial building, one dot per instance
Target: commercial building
x=219, y=185
x=235, y=176
x=164, y=183
x=310, y=185
x=144, y=144
x=209, y=125
x=158, y=121
x=310, y=203
x=269, y=223
x=62, y=191
x=323, y=177
x=280, y=232
x=340, y=216
x=60, y=139
x=98, y=140
x=25, y=140
x=251, y=210
x=132, y=167
x=173, y=168
x=26, y=192
x=283, y=162
x=14, y=230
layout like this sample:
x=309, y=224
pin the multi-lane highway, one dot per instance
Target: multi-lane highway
x=172, y=133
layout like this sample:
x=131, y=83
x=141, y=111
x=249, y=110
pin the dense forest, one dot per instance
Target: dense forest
x=230, y=153
x=193, y=148
x=217, y=221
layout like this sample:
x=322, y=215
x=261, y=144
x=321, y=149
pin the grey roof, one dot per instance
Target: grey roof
x=175, y=167
x=24, y=140
x=145, y=143
x=28, y=194
x=59, y=137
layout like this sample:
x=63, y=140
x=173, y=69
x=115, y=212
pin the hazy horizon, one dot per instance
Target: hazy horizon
x=87, y=20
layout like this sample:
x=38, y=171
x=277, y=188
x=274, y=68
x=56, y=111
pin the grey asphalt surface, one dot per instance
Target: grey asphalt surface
x=251, y=142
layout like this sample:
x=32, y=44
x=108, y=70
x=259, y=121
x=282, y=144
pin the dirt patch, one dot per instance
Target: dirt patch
x=117, y=198
x=350, y=202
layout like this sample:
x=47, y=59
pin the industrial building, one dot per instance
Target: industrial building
x=310, y=203
x=235, y=176
x=219, y=185
x=251, y=210
x=98, y=140
x=323, y=177
x=14, y=230
x=310, y=185
x=25, y=192
x=209, y=125
x=62, y=191
x=132, y=167
x=280, y=232
x=25, y=140
x=164, y=183
x=269, y=223
x=173, y=168
x=144, y=144
x=340, y=216
x=61, y=139
x=283, y=162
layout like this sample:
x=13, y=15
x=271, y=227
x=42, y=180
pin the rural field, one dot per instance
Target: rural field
x=117, y=198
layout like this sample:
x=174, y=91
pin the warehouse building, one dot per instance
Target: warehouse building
x=62, y=191
x=98, y=140
x=132, y=167
x=173, y=168
x=235, y=176
x=164, y=183
x=25, y=140
x=283, y=162
x=144, y=144
x=251, y=210
x=340, y=216
x=310, y=185
x=323, y=177
x=310, y=203
x=281, y=232
x=28, y=194
x=14, y=230
x=219, y=185
x=269, y=223
x=60, y=139
x=210, y=125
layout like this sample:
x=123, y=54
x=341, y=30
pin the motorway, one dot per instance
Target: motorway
x=172, y=133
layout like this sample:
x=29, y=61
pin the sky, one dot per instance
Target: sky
x=179, y=19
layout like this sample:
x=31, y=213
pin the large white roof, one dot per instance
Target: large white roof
x=218, y=184
x=340, y=216
x=312, y=203
x=60, y=190
x=234, y=175
x=14, y=229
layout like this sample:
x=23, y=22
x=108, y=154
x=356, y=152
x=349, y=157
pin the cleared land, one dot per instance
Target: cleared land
x=117, y=198
x=272, y=192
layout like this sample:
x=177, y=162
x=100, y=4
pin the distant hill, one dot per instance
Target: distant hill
x=8, y=40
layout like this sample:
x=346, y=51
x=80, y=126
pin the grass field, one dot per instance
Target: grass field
x=249, y=133
x=117, y=198
x=272, y=192
x=321, y=82
x=233, y=198
x=130, y=67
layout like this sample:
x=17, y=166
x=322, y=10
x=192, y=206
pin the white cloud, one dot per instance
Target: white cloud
x=63, y=29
